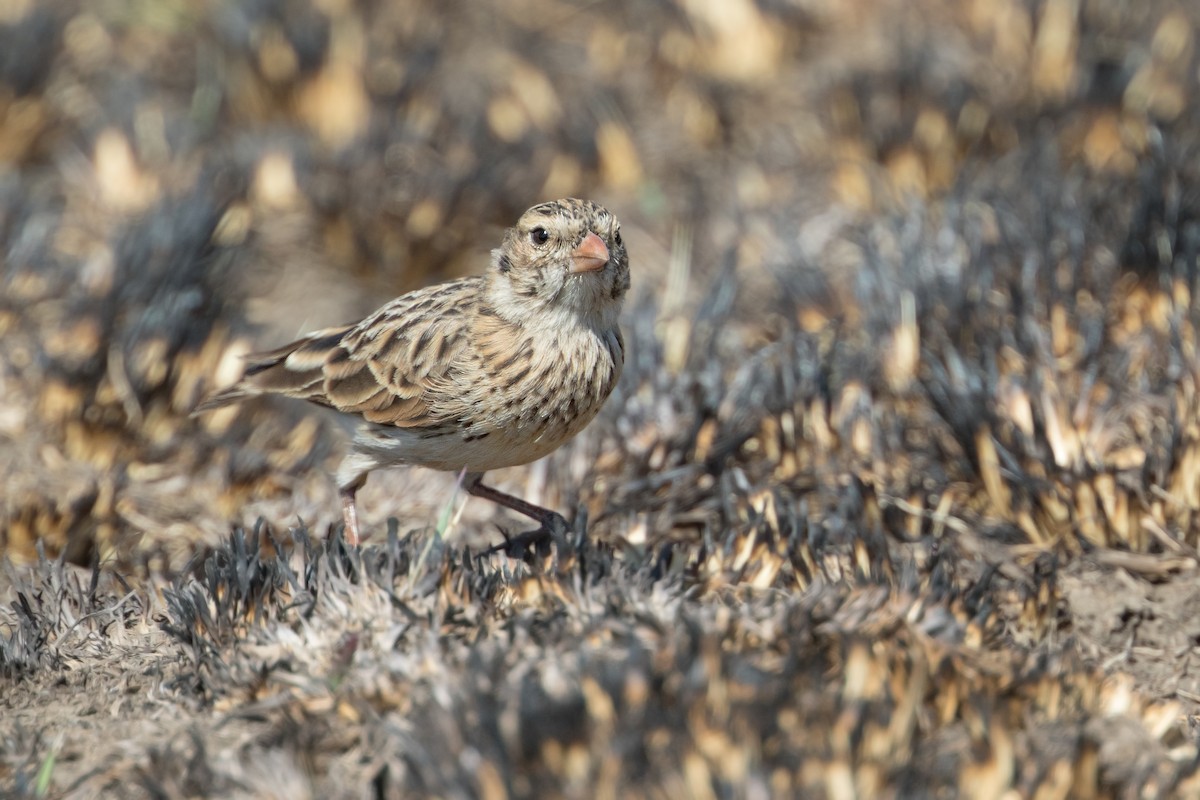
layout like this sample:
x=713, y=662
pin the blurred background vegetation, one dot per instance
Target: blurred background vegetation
x=914, y=311
x=185, y=180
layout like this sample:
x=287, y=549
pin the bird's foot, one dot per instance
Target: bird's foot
x=553, y=531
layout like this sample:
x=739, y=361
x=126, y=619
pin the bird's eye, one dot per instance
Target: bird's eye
x=617, y=238
x=539, y=235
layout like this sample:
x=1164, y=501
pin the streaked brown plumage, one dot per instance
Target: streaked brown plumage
x=475, y=374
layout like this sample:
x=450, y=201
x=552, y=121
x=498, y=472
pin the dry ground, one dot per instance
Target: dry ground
x=897, y=495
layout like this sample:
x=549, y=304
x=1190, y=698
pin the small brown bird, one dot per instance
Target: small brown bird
x=475, y=374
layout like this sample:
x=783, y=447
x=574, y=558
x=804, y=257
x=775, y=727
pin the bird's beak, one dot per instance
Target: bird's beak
x=591, y=255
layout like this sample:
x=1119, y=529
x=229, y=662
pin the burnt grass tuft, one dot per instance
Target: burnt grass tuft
x=895, y=498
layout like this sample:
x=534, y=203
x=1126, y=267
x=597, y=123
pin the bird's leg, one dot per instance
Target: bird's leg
x=350, y=516
x=536, y=513
x=553, y=526
x=350, y=511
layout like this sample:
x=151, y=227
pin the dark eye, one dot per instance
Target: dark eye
x=539, y=235
x=617, y=238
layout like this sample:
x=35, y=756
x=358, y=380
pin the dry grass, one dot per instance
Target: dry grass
x=896, y=497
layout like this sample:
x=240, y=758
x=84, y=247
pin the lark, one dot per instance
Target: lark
x=483, y=372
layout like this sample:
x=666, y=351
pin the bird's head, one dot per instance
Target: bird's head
x=564, y=260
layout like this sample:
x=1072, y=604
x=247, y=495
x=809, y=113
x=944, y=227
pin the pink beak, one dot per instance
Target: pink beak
x=591, y=255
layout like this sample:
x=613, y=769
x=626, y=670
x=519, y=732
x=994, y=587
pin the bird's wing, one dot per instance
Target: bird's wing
x=386, y=368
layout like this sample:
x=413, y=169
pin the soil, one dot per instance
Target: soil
x=895, y=497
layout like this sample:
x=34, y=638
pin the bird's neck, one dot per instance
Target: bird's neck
x=554, y=315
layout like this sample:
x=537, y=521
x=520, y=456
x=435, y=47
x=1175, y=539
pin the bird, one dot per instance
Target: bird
x=474, y=374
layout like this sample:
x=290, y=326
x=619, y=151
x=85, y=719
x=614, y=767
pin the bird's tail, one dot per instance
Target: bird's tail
x=225, y=397
x=294, y=370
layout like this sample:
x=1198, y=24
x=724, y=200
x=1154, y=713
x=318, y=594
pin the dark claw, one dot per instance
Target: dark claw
x=553, y=530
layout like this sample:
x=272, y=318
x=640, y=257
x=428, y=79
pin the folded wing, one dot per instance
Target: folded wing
x=387, y=368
